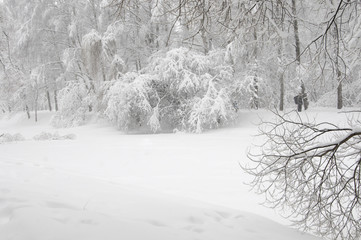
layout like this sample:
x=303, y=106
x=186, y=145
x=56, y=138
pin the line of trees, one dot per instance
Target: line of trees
x=191, y=65
x=272, y=47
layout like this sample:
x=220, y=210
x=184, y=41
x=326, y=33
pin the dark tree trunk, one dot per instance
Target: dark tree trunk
x=255, y=97
x=27, y=111
x=339, y=91
x=338, y=71
x=36, y=110
x=49, y=100
x=282, y=91
x=298, y=53
x=56, y=100
x=295, y=29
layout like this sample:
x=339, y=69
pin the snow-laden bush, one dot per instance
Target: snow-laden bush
x=129, y=102
x=195, y=86
x=253, y=89
x=328, y=100
x=53, y=136
x=74, y=103
x=211, y=111
x=91, y=54
x=351, y=94
x=7, y=137
x=180, y=89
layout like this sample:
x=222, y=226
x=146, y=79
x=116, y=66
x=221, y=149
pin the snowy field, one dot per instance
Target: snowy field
x=106, y=185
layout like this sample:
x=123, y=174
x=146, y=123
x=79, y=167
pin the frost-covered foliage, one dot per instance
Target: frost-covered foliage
x=210, y=111
x=7, y=137
x=193, y=89
x=74, y=102
x=179, y=89
x=53, y=136
x=86, y=95
x=129, y=101
x=91, y=54
x=95, y=42
x=327, y=100
x=253, y=89
x=352, y=96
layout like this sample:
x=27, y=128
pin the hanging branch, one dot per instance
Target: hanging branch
x=313, y=172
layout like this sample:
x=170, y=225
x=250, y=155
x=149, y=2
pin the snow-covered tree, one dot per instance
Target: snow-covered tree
x=74, y=104
x=192, y=86
x=179, y=89
x=91, y=42
x=129, y=102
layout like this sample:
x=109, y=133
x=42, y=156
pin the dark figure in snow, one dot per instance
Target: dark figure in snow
x=298, y=102
x=301, y=99
x=305, y=101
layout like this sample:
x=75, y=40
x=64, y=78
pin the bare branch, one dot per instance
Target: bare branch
x=313, y=172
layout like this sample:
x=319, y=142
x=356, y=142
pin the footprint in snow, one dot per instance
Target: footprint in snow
x=5, y=191
x=195, y=220
x=214, y=217
x=58, y=205
x=194, y=229
x=5, y=215
x=224, y=215
x=61, y=219
x=88, y=222
x=218, y=216
x=239, y=216
x=156, y=223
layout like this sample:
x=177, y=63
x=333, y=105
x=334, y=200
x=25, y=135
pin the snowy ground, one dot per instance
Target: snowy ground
x=106, y=185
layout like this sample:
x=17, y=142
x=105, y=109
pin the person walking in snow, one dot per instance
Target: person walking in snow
x=301, y=99
x=298, y=102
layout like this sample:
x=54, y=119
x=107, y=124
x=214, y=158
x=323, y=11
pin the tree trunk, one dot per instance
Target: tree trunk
x=49, y=100
x=103, y=70
x=256, y=100
x=203, y=29
x=295, y=29
x=56, y=100
x=36, y=112
x=298, y=53
x=204, y=40
x=36, y=101
x=338, y=72
x=157, y=36
x=36, y=105
x=255, y=43
x=138, y=65
x=282, y=91
x=27, y=111
x=254, y=104
x=96, y=25
x=280, y=57
x=339, y=90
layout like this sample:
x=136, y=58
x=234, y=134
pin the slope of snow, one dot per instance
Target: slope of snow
x=107, y=185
